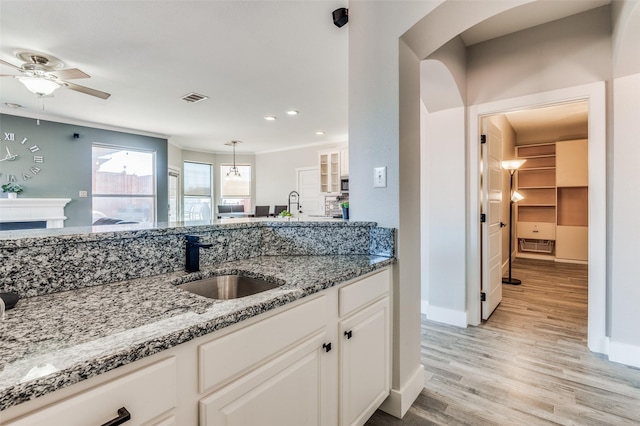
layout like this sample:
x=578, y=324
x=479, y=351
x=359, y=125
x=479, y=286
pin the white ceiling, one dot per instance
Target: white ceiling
x=252, y=58
x=550, y=123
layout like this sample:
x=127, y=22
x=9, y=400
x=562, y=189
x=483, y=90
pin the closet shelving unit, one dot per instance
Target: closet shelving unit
x=552, y=219
x=536, y=213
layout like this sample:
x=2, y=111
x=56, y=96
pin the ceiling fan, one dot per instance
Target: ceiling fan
x=42, y=75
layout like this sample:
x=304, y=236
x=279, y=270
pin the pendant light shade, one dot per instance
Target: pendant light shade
x=233, y=172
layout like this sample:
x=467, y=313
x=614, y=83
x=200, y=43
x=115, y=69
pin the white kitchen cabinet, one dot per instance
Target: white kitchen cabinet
x=354, y=373
x=145, y=394
x=344, y=162
x=287, y=391
x=293, y=365
x=329, y=165
x=364, y=363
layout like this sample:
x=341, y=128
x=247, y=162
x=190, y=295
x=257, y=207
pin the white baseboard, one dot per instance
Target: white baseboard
x=624, y=354
x=445, y=315
x=598, y=344
x=399, y=400
x=424, y=305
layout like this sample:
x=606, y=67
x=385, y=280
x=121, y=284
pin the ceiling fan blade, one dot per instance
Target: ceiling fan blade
x=10, y=64
x=86, y=90
x=70, y=74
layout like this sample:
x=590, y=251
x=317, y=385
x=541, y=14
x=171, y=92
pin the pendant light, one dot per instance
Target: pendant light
x=233, y=172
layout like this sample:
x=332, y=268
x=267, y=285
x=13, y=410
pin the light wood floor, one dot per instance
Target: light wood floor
x=527, y=365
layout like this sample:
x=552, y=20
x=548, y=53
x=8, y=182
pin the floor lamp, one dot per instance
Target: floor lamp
x=511, y=166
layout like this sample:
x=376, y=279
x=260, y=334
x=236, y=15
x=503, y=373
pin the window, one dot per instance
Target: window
x=198, y=191
x=236, y=189
x=123, y=184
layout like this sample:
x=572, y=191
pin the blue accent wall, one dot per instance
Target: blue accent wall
x=66, y=169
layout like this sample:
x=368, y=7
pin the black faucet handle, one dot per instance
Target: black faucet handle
x=192, y=238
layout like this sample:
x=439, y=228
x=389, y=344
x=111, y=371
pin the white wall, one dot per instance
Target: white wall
x=374, y=140
x=276, y=171
x=625, y=284
x=563, y=53
x=445, y=215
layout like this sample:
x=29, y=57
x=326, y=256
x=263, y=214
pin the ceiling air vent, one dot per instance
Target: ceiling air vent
x=193, y=98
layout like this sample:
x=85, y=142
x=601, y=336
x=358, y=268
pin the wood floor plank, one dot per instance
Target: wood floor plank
x=527, y=365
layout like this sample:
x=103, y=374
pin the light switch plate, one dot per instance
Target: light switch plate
x=380, y=177
x=82, y=194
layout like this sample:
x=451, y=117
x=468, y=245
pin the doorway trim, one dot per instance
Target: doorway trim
x=595, y=94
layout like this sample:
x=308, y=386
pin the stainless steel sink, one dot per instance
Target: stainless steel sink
x=224, y=287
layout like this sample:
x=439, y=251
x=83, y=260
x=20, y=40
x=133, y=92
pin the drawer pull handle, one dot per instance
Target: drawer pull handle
x=326, y=347
x=123, y=416
x=535, y=231
x=348, y=334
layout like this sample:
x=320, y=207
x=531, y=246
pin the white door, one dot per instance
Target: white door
x=491, y=229
x=312, y=202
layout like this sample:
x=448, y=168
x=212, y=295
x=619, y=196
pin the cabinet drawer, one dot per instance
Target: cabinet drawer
x=146, y=394
x=361, y=293
x=536, y=230
x=231, y=355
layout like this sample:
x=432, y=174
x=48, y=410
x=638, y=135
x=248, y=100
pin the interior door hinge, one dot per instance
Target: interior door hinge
x=483, y=138
x=483, y=218
x=483, y=297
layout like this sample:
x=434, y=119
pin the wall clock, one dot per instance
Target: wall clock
x=20, y=159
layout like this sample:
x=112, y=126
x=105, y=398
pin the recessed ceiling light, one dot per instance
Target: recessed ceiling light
x=293, y=112
x=270, y=117
x=319, y=133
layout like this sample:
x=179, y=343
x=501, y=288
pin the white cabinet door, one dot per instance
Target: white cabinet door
x=288, y=391
x=344, y=162
x=365, y=359
x=329, y=164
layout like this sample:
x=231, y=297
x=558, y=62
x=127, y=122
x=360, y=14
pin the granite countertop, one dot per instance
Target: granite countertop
x=52, y=341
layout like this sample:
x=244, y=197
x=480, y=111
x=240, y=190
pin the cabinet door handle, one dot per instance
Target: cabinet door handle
x=348, y=334
x=327, y=346
x=502, y=224
x=123, y=416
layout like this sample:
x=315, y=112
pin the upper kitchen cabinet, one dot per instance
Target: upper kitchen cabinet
x=330, y=172
x=344, y=162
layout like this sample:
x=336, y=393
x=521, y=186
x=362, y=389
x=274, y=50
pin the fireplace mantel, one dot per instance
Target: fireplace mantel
x=50, y=210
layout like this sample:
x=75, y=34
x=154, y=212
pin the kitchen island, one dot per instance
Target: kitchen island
x=57, y=341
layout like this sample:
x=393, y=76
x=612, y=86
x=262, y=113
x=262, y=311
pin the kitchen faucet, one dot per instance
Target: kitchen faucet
x=294, y=198
x=193, y=253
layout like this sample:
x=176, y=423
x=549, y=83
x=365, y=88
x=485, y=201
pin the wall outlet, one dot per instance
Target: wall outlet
x=380, y=177
x=82, y=194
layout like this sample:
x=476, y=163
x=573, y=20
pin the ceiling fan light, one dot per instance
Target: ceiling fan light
x=39, y=86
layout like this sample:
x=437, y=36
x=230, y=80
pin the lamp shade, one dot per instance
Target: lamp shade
x=39, y=86
x=516, y=196
x=512, y=164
